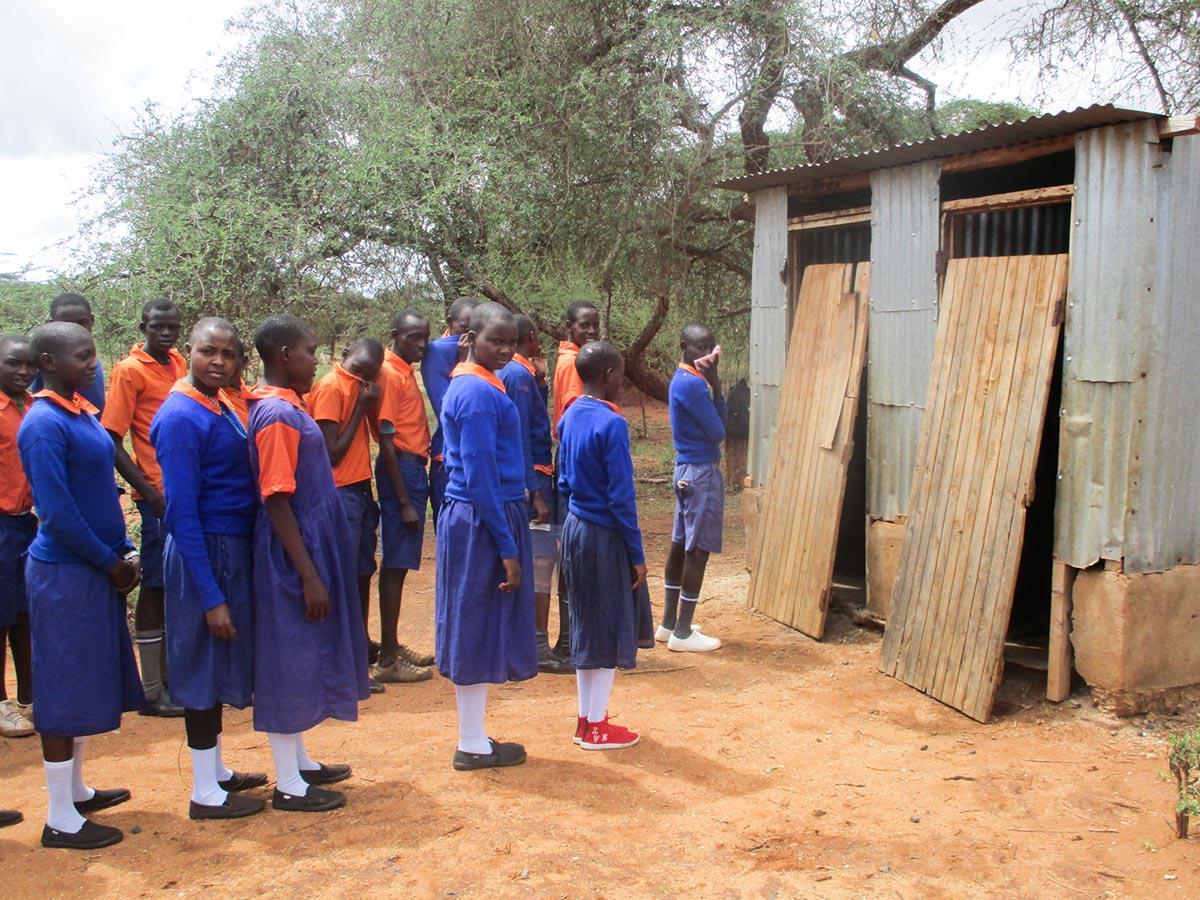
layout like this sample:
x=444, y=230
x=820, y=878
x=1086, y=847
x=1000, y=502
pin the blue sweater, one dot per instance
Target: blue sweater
x=441, y=356
x=595, y=470
x=207, y=480
x=68, y=458
x=484, y=462
x=697, y=420
x=535, y=421
x=94, y=394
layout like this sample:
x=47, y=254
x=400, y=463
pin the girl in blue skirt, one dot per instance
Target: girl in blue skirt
x=602, y=557
x=80, y=567
x=207, y=563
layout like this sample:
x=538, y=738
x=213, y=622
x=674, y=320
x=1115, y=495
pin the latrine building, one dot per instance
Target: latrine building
x=975, y=367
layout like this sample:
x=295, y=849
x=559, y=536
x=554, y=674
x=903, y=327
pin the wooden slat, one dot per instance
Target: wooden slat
x=797, y=534
x=993, y=362
x=1058, y=672
x=854, y=215
x=1032, y=197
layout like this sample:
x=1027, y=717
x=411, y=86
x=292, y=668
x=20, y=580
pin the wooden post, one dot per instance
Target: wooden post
x=1058, y=674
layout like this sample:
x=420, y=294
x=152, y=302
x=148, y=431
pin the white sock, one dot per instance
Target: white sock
x=205, y=789
x=303, y=761
x=599, y=693
x=287, y=773
x=223, y=774
x=472, y=704
x=79, y=789
x=583, y=684
x=61, y=814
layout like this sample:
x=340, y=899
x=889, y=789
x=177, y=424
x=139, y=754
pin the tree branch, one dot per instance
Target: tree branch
x=1127, y=15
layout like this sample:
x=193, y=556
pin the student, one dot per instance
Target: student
x=139, y=385
x=441, y=356
x=80, y=567
x=484, y=604
x=602, y=556
x=207, y=563
x=403, y=491
x=343, y=403
x=310, y=654
x=75, y=308
x=583, y=326
x=697, y=412
x=17, y=529
x=520, y=381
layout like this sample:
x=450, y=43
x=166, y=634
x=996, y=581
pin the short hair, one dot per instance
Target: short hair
x=215, y=322
x=68, y=301
x=577, y=307
x=485, y=312
x=525, y=326
x=54, y=337
x=369, y=345
x=404, y=316
x=7, y=340
x=279, y=331
x=158, y=304
x=460, y=305
x=694, y=330
x=595, y=359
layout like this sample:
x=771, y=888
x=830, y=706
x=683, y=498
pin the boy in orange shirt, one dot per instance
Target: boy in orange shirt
x=17, y=529
x=342, y=403
x=400, y=472
x=136, y=389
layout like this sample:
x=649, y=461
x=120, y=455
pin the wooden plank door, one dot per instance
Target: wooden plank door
x=797, y=535
x=995, y=353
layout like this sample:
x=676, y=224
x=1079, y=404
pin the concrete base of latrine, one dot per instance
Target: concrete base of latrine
x=1135, y=638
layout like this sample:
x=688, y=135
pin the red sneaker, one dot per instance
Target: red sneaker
x=580, y=729
x=607, y=735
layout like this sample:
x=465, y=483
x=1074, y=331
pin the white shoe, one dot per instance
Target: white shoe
x=13, y=723
x=693, y=643
x=662, y=634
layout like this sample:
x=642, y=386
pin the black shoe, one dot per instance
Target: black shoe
x=316, y=800
x=90, y=837
x=326, y=774
x=235, y=807
x=162, y=706
x=502, y=756
x=553, y=664
x=375, y=685
x=372, y=652
x=243, y=781
x=10, y=817
x=103, y=800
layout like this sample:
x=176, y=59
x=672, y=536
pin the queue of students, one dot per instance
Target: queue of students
x=259, y=535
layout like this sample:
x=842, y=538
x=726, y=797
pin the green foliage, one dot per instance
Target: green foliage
x=1184, y=760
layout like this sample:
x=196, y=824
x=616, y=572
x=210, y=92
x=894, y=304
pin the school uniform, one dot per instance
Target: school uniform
x=17, y=523
x=567, y=388
x=601, y=538
x=238, y=397
x=520, y=381
x=333, y=399
x=402, y=421
x=698, y=430
x=84, y=675
x=441, y=357
x=212, y=503
x=304, y=672
x=93, y=394
x=137, y=388
x=483, y=635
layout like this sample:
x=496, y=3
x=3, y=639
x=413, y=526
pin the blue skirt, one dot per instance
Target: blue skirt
x=609, y=620
x=84, y=675
x=306, y=672
x=16, y=534
x=482, y=634
x=206, y=670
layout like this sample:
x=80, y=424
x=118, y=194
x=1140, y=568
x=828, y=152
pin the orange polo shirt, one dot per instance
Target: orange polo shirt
x=403, y=406
x=15, y=494
x=567, y=386
x=137, y=387
x=237, y=396
x=332, y=399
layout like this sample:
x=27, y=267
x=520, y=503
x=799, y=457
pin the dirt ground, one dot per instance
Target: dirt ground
x=778, y=767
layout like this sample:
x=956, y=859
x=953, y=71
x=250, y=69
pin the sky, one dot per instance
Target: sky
x=74, y=73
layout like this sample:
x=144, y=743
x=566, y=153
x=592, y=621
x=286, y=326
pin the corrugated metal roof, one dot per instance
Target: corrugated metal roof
x=987, y=138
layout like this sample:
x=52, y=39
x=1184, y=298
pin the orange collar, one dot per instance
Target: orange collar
x=5, y=400
x=691, y=370
x=470, y=368
x=607, y=403
x=212, y=405
x=525, y=364
x=266, y=392
x=396, y=361
x=174, y=357
x=76, y=405
x=567, y=347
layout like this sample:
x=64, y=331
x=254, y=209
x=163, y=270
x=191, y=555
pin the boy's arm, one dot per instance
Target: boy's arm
x=622, y=495
x=704, y=409
x=325, y=410
x=391, y=468
x=117, y=419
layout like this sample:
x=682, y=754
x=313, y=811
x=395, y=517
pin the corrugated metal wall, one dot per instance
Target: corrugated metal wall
x=768, y=325
x=1011, y=232
x=905, y=207
x=1128, y=461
